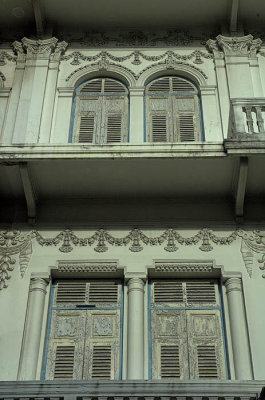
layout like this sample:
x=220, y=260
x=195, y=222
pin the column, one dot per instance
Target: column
x=136, y=115
x=239, y=334
x=32, y=331
x=135, y=344
x=50, y=93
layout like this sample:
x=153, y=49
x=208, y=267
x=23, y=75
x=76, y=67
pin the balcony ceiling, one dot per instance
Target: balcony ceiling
x=22, y=16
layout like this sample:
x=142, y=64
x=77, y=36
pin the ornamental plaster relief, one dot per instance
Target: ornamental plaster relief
x=20, y=244
x=245, y=46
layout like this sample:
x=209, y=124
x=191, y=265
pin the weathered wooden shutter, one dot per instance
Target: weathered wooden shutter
x=186, y=112
x=84, y=339
x=187, y=342
x=101, y=113
x=66, y=345
x=206, y=348
x=172, y=111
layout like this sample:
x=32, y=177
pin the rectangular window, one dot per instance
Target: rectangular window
x=84, y=338
x=185, y=325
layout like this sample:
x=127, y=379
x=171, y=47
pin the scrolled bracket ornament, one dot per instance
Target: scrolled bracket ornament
x=11, y=244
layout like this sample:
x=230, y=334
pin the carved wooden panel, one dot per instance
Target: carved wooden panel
x=101, y=112
x=187, y=342
x=84, y=343
x=172, y=110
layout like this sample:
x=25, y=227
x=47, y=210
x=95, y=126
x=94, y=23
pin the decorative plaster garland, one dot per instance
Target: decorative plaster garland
x=19, y=243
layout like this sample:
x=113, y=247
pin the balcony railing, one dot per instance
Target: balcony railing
x=131, y=390
x=247, y=119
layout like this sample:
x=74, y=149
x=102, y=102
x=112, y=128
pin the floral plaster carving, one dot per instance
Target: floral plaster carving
x=183, y=267
x=11, y=244
x=39, y=49
x=2, y=80
x=197, y=56
x=235, y=46
x=5, y=56
x=17, y=243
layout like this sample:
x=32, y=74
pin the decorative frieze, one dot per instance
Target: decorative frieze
x=11, y=244
x=17, y=243
x=177, y=266
x=235, y=46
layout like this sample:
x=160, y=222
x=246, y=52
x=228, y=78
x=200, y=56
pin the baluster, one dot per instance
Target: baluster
x=250, y=123
x=260, y=120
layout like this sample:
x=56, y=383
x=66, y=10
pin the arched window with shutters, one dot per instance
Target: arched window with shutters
x=100, y=112
x=172, y=110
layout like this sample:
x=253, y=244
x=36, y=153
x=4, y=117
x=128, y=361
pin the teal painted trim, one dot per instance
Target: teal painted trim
x=72, y=121
x=228, y=374
x=149, y=332
x=144, y=119
x=47, y=338
x=186, y=308
x=201, y=119
x=121, y=330
x=186, y=94
x=86, y=308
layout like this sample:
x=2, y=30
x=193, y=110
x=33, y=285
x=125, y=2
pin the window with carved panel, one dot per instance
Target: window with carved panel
x=185, y=319
x=85, y=329
x=172, y=111
x=100, y=112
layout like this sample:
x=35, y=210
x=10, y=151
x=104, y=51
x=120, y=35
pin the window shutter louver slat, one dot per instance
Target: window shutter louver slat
x=207, y=362
x=186, y=128
x=64, y=362
x=86, y=129
x=159, y=128
x=101, y=362
x=71, y=292
x=114, y=126
x=182, y=85
x=112, y=86
x=160, y=86
x=103, y=293
x=170, y=367
x=168, y=292
x=93, y=86
x=201, y=292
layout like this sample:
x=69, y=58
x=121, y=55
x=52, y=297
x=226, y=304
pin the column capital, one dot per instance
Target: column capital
x=243, y=46
x=38, y=284
x=135, y=284
x=39, y=49
x=233, y=284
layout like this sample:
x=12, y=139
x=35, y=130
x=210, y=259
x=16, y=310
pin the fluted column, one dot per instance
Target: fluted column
x=240, y=342
x=135, y=352
x=33, y=328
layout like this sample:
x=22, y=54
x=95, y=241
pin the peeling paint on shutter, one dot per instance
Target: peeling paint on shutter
x=170, y=367
x=103, y=292
x=86, y=129
x=64, y=362
x=172, y=111
x=186, y=128
x=101, y=362
x=207, y=362
x=205, y=340
x=187, y=342
x=168, y=292
x=84, y=342
x=159, y=128
x=71, y=292
x=201, y=292
x=114, y=129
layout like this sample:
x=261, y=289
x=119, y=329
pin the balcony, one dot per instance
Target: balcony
x=133, y=390
x=246, y=129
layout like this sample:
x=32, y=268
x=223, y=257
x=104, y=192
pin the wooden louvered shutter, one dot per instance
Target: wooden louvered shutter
x=66, y=345
x=186, y=121
x=115, y=119
x=87, y=119
x=205, y=339
x=206, y=349
x=169, y=337
x=160, y=123
x=102, y=343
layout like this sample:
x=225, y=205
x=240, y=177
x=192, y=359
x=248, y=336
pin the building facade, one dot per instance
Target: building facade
x=132, y=202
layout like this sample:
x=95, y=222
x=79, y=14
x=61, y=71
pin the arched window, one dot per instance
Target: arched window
x=100, y=112
x=172, y=110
